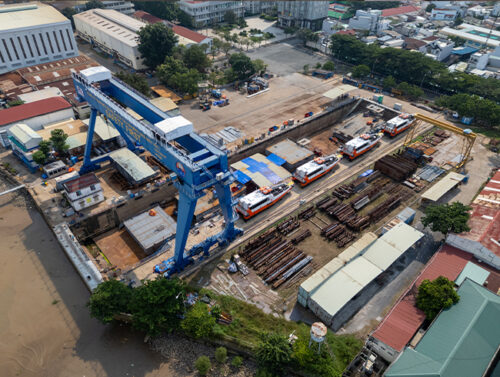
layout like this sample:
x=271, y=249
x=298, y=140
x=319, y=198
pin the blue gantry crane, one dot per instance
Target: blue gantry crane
x=197, y=164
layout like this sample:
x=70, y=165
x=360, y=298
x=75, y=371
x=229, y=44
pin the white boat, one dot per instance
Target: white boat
x=315, y=169
x=259, y=200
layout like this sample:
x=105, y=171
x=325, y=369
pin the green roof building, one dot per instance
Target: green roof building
x=462, y=342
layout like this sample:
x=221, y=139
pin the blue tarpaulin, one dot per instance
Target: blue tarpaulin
x=275, y=159
x=241, y=177
x=464, y=51
x=255, y=166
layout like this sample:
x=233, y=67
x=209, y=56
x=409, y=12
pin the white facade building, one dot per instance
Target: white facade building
x=302, y=14
x=439, y=50
x=476, y=36
x=83, y=192
x=33, y=33
x=211, y=12
x=496, y=10
x=125, y=7
x=113, y=32
x=365, y=20
x=443, y=14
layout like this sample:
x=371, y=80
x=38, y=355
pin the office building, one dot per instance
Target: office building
x=206, y=13
x=33, y=33
x=302, y=14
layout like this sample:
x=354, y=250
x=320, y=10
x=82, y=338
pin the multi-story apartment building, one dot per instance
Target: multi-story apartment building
x=33, y=33
x=205, y=13
x=125, y=7
x=302, y=14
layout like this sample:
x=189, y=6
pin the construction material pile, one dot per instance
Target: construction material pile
x=275, y=258
x=397, y=167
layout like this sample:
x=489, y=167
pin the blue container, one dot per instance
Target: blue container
x=407, y=215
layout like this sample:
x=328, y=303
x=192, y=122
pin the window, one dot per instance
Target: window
x=14, y=47
x=78, y=193
x=22, y=47
x=92, y=187
x=29, y=46
x=62, y=39
x=7, y=49
x=81, y=203
x=36, y=44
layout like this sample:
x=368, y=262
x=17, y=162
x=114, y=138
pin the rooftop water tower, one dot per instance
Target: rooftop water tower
x=318, y=333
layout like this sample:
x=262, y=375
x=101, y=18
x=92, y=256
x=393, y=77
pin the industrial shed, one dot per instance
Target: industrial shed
x=261, y=170
x=338, y=297
x=441, y=188
x=132, y=167
x=151, y=228
x=293, y=154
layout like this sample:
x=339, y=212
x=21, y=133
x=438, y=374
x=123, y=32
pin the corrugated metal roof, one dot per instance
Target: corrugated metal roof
x=462, y=341
x=276, y=159
x=24, y=133
x=133, y=164
x=79, y=183
x=14, y=16
x=32, y=109
x=339, y=90
x=443, y=186
x=103, y=129
x=473, y=272
x=404, y=319
x=77, y=140
x=290, y=151
x=149, y=230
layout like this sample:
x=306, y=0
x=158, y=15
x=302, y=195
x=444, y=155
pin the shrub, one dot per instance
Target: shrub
x=329, y=66
x=237, y=362
x=203, y=365
x=274, y=353
x=198, y=322
x=221, y=355
x=436, y=295
x=318, y=65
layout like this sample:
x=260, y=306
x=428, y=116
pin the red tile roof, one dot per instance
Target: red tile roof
x=189, y=34
x=33, y=109
x=346, y=32
x=413, y=44
x=79, y=183
x=485, y=217
x=147, y=17
x=404, y=320
x=399, y=10
x=431, y=38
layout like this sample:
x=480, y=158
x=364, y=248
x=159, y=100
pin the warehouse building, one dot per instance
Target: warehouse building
x=353, y=281
x=132, y=167
x=293, y=154
x=438, y=191
x=24, y=141
x=462, y=341
x=151, y=229
x=475, y=36
x=33, y=33
x=112, y=32
x=36, y=114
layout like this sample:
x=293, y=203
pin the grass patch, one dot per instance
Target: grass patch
x=55, y=302
x=491, y=133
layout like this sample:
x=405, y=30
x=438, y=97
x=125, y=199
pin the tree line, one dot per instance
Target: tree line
x=412, y=67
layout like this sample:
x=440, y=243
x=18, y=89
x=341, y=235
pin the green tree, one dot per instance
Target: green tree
x=230, y=75
x=185, y=19
x=236, y=362
x=306, y=69
x=15, y=102
x=485, y=112
x=198, y=322
x=136, y=81
x=226, y=47
x=203, y=365
x=194, y=57
x=93, y=4
x=412, y=91
x=306, y=35
x=108, y=299
x=289, y=30
x=274, y=353
x=447, y=218
x=242, y=65
x=457, y=40
x=69, y=12
x=436, y=295
x=458, y=20
x=259, y=66
x=39, y=157
x=156, y=305
x=156, y=41
x=389, y=82
x=230, y=17
x=58, y=140
x=221, y=355
x=329, y=66
x=430, y=7
x=166, y=10
x=45, y=146
x=361, y=71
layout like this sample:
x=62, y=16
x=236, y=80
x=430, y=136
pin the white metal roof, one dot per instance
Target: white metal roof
x=16, y=16
x=335, y=292
x=94, y=74
x=443, y=186
x=338, y=91
x=174, y=127
x=133, y=164
x=24, y=133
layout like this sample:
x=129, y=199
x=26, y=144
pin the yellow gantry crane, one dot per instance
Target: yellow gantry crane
x=468, y=136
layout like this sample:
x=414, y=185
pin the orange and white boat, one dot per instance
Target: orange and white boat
x=360, y=145
x=259, y=200
x=315, y=169
x=398, y=124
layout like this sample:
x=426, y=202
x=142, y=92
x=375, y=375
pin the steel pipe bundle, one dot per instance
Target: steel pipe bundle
x=383, y=209
x=301, y=237
x=307, y=213
x=395, y=166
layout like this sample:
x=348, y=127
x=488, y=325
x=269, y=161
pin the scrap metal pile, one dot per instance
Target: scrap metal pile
x=275, y=258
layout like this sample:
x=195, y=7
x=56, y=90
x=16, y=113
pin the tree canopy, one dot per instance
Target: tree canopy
x=166, y=10
x=93, y=4
x=108, y=299
x=58, y=140
x=194, y=57
x=198, y=323
x=307, y=35
x=329, y=66
x=447, y=218
x=274, y=353
x=360, y=71
x=230, y=17
x=156, y=305
x=174, y=73
x=436, y=295
x=242, y=65
x=156, y=41
x=136, y=81
x=412, y=67
x=39, y=157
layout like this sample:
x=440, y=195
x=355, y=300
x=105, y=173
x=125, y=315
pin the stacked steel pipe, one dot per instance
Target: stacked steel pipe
x=397, y=167
x=307, y=213
x=301, y=237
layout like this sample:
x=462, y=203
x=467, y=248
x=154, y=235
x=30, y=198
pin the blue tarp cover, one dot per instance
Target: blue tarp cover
x=276, y=159
x=255, y=166
x=241, y=177
x=464, y=51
